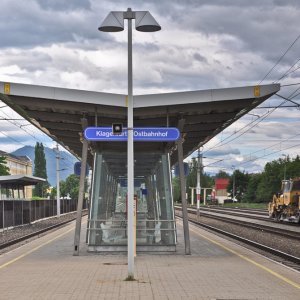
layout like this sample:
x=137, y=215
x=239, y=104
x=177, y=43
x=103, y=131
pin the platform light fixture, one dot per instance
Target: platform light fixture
x=117, y=128
x=144, y=22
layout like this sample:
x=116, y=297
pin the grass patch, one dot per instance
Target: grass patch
x=247, y=205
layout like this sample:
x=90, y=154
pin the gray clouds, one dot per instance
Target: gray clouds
x=239, y=28
x=64, y=5
x=203, y=44
x=35, y=23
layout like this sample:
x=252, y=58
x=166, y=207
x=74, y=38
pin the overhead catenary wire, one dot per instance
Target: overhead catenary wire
x=258, y=120
x=11, y=138
x=221, y=142
x=279, y=60
x=288, y=72
x=268, y=113
x=270, y=147
x=291, y=96
x=279, y=143
x=256, y=158
x=272, y=153
x=291, y=138
x=20, y=126
x=289, y=99
x=290, y=84
x=296, y=96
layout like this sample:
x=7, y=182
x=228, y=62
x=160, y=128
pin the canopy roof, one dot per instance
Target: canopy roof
x=200, y=114
x=19, y=180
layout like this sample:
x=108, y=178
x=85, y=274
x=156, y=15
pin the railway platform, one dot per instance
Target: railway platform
x=45, y=268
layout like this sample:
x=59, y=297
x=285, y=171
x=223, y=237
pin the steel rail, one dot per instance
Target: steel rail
x=251, y=215
x=239, y=213
x=250, y=211
x=273, y=251
x=266, y=228
x=33, y=234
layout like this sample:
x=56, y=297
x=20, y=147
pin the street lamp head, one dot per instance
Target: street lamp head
x=114, y=22
x=145, y=22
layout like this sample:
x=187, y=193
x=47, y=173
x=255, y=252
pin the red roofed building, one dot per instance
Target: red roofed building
x=221, y=185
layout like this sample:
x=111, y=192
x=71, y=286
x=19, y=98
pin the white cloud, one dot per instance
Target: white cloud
x=202, y=45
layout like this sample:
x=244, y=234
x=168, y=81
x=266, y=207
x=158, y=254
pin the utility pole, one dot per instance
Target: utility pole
x=198, y=189
x=233, y=183
x=192, y=195
x=285, y=160
x=57, y=180
x=204, y=196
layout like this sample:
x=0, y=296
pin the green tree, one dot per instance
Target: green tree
x=176, y=189
x=63, y=189
x=293, y=168
x=270, y=182
x=240, y=180
x=191, y=179
x=222, y=174
x=4, y=170
x=251, y=192
x=206, y=181
x=40, y=170
x=72, y=186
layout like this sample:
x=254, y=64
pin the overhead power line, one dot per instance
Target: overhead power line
x=284, y=85
x=297, y=104
x=272, y=153
x=9, y=119
x=289, y=71
x=13, y=139
x=281, y=57
x=256, y=122
x=270, y=147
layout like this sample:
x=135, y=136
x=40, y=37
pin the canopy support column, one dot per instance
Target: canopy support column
x=183, y=191
x=81, y=192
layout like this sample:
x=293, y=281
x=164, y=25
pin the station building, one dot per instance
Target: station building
x=220, y=190
x=19, y=165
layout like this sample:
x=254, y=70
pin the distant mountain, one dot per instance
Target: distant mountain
x=66, y=163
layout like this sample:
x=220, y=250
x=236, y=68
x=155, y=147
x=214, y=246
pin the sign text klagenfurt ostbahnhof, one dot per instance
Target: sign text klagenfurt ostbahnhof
x=149, y=134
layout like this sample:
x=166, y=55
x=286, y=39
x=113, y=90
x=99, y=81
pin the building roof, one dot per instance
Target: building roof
x=200, y=115
x=20, y=180
x=23, y=158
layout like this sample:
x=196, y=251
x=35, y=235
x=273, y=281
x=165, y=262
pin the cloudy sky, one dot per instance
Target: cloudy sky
x=202, y=45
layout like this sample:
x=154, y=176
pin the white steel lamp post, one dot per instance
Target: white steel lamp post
x=114, y=22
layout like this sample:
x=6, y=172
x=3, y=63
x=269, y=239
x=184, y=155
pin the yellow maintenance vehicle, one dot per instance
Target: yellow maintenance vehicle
x=286, y=204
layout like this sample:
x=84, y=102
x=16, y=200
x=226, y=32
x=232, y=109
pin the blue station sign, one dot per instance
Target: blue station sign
x=148, y=134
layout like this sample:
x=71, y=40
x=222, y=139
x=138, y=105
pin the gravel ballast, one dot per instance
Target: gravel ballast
x=17, y=232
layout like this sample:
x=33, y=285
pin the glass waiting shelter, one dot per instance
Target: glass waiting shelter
x=155, y=225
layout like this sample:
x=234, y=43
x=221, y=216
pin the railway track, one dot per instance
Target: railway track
x=35, y=233
x=244, y=213
x=271, y=252
x=258, y=212
x=274, y=230
x=256, y=215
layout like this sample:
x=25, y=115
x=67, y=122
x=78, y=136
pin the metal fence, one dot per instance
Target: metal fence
x=20, y=212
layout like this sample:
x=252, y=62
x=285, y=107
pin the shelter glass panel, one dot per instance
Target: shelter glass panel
x=155, y=224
